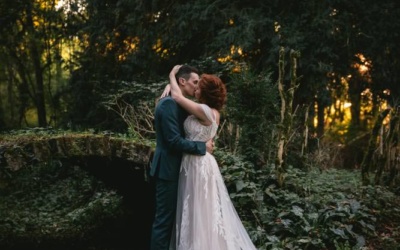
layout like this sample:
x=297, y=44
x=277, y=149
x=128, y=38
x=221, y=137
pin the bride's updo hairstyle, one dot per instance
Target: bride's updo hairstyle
x=213, y=91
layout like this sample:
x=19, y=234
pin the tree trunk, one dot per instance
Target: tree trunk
x=367, y=161
x=304, y=144
x=320, y=117
x=281, y=134
x=287, y=96
x=354, y=91
x=392, y=149
x=39, y=94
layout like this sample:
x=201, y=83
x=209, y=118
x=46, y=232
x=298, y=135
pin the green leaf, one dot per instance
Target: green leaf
x=297, y=211
x=339, y=232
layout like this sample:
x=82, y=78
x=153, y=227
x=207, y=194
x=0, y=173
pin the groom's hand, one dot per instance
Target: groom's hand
x=210, y=146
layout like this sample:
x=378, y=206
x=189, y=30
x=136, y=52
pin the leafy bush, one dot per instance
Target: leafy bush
x=314, y=210
x=252, y=108
x=54, y=202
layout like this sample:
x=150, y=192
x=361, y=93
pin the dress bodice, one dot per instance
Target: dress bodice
x=195, y=131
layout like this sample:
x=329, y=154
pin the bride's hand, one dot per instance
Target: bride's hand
x=166, y=91
x=175, y=70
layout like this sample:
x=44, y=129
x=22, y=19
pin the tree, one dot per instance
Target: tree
x=30, y=39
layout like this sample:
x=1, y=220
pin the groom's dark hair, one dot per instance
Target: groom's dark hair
x=185, y=72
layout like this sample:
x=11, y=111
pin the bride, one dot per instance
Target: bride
x=205, y=218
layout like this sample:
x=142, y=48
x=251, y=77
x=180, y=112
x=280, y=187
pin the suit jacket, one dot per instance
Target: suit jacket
x=170, y=134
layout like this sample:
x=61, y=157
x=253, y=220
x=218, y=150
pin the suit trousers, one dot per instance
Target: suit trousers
x=166, y=198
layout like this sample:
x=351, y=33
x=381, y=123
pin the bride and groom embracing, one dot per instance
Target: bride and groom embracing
x=193, y=207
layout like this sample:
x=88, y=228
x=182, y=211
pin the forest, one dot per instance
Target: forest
x=308, y=142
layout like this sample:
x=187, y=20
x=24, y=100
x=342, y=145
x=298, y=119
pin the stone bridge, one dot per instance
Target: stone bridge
x=120, y=163
x=20, y=151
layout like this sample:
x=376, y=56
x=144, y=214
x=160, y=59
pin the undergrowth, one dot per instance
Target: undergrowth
x=51, y=202
x=316, y=209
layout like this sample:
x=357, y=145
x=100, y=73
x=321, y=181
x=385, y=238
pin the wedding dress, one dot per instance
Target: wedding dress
x=206, y=218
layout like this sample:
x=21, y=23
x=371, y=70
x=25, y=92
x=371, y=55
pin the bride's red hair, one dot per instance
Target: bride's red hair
x=213, y=91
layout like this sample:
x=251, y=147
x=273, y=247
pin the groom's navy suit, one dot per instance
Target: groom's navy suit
x=165, y=166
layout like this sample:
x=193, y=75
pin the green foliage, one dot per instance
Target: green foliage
x=53, y=201
x=317, y=209
x=113, y=103
x=240, y=178
x=314, y=210
x=134, y=103
x=252, y=107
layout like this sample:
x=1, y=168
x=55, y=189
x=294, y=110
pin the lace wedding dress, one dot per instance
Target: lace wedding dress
x=206, y=218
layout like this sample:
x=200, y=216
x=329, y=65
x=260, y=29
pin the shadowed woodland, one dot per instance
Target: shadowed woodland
x=309, y=137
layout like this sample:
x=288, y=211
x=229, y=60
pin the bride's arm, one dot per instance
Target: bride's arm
x=190, y=106
x=166, y=91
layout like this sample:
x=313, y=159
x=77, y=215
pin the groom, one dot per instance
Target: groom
x=165, y=166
